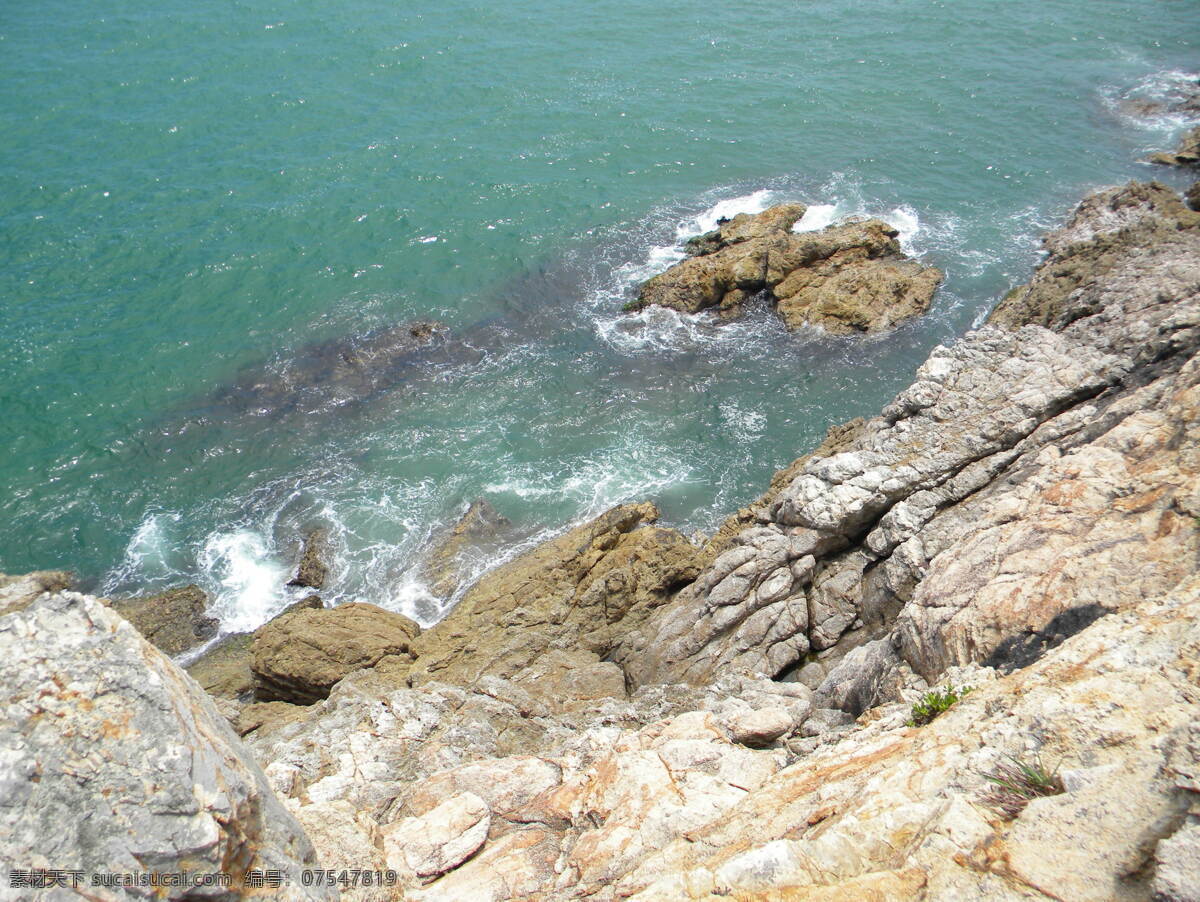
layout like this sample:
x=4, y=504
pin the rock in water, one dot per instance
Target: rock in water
x=1186, y=154
x=313, y=570
x=116, y=762
x=173, y=620
x=298, y=657
x=846, y=279
x=479, y=527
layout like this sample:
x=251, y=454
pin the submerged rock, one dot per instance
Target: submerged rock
x=115, y=761
x=174, y=620
x=299, y=656
x=846, y=279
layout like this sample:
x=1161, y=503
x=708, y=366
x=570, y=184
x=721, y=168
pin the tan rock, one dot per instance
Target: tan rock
x=579, y=591
x=300, y=656
x=478, y=529
x=844, y=279
x=312, y=570
x=173, y=620
x=1186, y=154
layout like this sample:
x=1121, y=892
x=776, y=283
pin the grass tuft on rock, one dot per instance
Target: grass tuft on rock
x=1016, y=783
x=933, y=703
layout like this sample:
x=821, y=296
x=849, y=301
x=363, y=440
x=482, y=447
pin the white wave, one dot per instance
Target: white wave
x=755, y=202
x=246, y=580
x=1165, y=87
x=816, y=217
x=902, y=218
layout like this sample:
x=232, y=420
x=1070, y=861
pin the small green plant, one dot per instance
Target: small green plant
x=1016, y=783
x=933, y=703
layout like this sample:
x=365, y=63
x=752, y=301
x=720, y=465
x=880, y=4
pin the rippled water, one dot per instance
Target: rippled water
x=207, y=206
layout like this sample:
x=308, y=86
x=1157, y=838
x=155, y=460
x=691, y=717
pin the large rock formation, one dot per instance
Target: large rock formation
x=115, y=762
x=1013, y=481
x=845, y=279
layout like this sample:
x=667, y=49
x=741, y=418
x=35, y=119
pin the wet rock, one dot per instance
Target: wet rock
x=480, y=528
x=313, y=569
x=1187, y=153
x=173, y=620
x=224, y=668
x=115, y=761
x=298, y=657
x=845, y=279
x=18, y=592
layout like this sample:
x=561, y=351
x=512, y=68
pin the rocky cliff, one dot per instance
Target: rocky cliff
x=624, y=713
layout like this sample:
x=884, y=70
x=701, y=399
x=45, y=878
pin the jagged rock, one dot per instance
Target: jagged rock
x=480, y=526
x=17, y=592
x=1186, y=154
x=845, y=279
x=173, y=620
x=746, y=227
x=312, y=570
x=577, y=592
x=911, y=507
x=299, y=656
x=115, y=761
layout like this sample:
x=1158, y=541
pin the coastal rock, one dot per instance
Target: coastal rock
x=577, y=592
x=115, y=761
x=896, y=515
x=1187, y=153
x=479, y=528
x=17, y=592
x=846, y=279
x=312, y=570
x=223, y=669
x=173, y=620
x=299, y=656
x=440, y=841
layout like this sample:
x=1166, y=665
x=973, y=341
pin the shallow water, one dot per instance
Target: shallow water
x=202, y=196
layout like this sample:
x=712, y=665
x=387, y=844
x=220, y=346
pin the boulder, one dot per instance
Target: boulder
x=115, y=761
x=298, y=657
x=439, y=841
x=844, y=279
x=223, y=669
x=173, y=620
x=312, y=570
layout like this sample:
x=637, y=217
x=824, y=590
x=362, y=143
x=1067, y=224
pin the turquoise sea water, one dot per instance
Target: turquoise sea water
x=200, y=197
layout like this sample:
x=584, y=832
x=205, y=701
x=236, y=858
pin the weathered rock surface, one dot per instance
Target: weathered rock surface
x=478, y=530
x=999, y=491
x=313, y=570
x=17, y=592
x=578, y=592
x=299, y=656
x=174, y=620
x=846, y=279
x=114, y=761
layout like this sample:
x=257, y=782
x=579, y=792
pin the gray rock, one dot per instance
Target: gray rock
x=115, y=761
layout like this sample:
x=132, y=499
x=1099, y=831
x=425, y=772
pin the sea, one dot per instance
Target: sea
x=214, y=215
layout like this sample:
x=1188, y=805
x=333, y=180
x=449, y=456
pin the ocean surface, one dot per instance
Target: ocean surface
x=212, y=213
